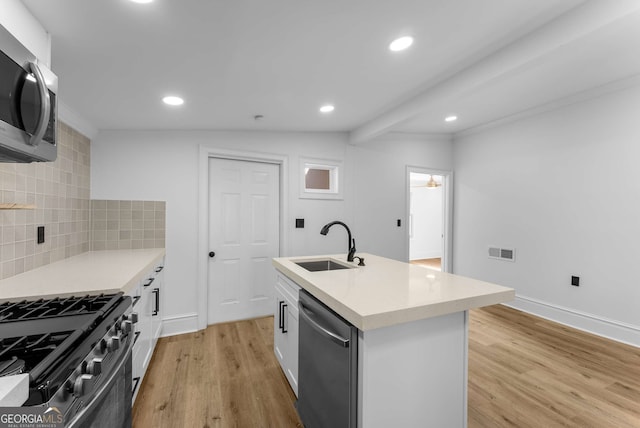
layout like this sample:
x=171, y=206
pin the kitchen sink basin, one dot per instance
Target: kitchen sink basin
x=321, y=265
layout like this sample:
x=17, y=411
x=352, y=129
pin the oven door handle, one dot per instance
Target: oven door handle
x=78, y=421
x=45, y=105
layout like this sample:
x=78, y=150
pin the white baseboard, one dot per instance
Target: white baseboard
x=179, y=324
x=614, y=330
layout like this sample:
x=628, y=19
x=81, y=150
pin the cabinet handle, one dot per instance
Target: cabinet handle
x=156, y=310
x=284, y=312
x=159, y=269
x=149, y=283
x=136, y=381
x=280, y=319
x=135, y=300
x=136, y=336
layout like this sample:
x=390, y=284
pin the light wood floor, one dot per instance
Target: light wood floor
x=435, y=264
x=523, y=372
x=224, y=376
x=528, y=372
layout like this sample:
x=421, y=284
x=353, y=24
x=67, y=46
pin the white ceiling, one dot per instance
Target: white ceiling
x=234, y=59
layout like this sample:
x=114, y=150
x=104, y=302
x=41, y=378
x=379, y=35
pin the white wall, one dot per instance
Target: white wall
x=17, y=19
x=164, y=166
x=426, y=209
x=563, y=188
x=380, y=187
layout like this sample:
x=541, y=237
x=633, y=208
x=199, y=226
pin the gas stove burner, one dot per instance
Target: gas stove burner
x=54, y=308
x=11, y=367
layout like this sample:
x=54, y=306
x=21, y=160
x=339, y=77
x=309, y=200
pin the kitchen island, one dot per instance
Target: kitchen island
x=412, y=335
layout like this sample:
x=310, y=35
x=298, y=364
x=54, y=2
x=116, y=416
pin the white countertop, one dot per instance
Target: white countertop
x=386, y=292
x=92, y=272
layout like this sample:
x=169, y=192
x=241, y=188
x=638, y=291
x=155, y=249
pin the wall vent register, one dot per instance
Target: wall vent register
x=508, y=254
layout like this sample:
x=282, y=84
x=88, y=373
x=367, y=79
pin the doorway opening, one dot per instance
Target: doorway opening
x=428, y=218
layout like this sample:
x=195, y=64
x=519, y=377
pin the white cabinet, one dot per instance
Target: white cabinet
x=285, y=328
x=147, y=303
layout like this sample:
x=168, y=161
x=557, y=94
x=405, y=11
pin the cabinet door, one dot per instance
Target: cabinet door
x=144, y=319
x=157, y=292
x=280, y=339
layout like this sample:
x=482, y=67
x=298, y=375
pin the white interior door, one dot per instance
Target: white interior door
x=244, y=235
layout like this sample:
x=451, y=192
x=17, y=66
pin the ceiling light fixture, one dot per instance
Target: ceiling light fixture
x=451, y=118
x=173, y=100
x=141, y=1
x=401, y=43
x=327, y=108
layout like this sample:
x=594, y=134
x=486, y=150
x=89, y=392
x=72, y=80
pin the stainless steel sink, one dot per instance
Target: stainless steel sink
x=321, y=265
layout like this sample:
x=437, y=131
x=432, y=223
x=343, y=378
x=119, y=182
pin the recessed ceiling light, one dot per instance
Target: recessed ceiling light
x=451, y=118
x=401, y=43
x=327, y=108
x=173, y=100
x=141, y=1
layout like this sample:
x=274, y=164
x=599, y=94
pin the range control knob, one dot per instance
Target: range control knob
x=82, y=385
x=94, y=367
x=125, y=327
x=102, y=346
x=113, y=343
x=133, y=317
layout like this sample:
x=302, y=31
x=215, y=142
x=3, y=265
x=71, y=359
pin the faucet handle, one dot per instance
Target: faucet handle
x=360, y=260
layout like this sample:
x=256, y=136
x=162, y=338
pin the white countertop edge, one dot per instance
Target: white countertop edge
x=384, y=319
x=76, y=275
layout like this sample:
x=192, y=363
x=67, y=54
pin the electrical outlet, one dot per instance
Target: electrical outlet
x=575, y=280
x=40, y=234
x=299, y=223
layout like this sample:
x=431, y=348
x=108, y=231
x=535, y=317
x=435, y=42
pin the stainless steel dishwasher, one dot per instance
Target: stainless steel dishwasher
x=327, y=367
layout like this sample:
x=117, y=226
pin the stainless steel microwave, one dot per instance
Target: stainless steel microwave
x=28, y=105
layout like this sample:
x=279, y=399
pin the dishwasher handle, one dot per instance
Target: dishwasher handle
x=329, y=334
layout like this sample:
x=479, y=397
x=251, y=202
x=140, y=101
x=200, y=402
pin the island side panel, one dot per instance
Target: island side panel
x=414, y=374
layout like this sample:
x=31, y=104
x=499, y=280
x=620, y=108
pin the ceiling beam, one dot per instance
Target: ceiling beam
x=571, y=26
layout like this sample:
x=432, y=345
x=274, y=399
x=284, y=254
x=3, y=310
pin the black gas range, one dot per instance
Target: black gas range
x=76, y=350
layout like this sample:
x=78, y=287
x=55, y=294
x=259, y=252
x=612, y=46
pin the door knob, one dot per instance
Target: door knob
x=212, y=254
